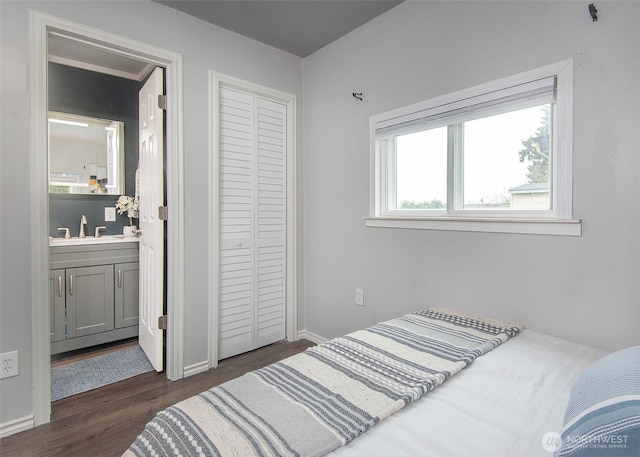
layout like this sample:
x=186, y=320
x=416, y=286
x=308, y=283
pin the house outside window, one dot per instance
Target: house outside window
x=530, y=196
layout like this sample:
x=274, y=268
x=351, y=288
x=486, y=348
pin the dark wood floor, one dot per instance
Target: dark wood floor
x=104, y=422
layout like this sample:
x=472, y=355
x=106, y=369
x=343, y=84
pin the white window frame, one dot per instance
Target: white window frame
x=557, y=221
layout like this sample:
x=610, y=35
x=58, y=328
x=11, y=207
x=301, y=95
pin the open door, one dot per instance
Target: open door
x=151, y=191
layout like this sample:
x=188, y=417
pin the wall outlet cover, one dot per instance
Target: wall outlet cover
x=9, y=365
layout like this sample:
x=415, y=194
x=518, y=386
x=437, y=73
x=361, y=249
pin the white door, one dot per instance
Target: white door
x=252, y=180
x=151, y=191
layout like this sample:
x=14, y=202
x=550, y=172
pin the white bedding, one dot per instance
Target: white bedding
x=501, y=405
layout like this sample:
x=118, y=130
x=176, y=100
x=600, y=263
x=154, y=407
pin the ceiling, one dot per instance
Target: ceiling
x=299, y=27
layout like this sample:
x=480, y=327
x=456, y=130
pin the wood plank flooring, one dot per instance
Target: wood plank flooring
x=105, y=421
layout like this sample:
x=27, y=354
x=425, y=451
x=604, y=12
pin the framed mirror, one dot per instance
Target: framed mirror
x=86, y=155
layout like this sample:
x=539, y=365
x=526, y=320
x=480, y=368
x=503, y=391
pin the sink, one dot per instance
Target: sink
x=75, y=241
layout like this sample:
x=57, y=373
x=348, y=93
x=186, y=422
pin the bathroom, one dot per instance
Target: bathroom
x=97, y=96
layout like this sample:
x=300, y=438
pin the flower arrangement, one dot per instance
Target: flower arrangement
x=127, y=204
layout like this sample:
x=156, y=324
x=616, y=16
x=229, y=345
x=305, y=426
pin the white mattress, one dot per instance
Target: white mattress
x=501, y=405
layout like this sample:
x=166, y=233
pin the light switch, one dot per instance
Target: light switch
x=110, y=214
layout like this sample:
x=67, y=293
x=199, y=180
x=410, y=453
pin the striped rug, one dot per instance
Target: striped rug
x=319, y=400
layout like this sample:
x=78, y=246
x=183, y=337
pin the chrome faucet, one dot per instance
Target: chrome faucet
x=83, y=222
x=97, y=232
x=66, y=232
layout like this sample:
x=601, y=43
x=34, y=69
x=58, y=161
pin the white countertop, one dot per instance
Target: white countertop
x=75, y=241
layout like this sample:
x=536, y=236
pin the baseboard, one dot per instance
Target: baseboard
x=17, y=425
x=196, y=368
x=306, y=335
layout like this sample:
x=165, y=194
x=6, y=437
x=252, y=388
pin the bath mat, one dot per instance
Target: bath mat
x=88, y=374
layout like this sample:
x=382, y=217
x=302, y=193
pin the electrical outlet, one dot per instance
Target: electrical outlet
x=360, y=297
x=109, y=214
x=9, y=362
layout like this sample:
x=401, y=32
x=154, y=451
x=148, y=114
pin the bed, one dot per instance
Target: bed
x=502, y=405
x=510, y=401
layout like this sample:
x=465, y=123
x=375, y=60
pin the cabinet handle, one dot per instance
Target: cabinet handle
x=70, y=284
x=59, y=286
x=119, y=279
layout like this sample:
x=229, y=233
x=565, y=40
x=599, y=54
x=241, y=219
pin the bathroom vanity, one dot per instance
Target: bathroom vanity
x=93, y=291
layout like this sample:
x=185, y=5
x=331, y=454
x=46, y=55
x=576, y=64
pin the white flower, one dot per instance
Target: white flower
x=127, y=204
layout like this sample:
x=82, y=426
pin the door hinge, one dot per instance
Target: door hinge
x=162, y=101
x=163, y=213
x=162, y=322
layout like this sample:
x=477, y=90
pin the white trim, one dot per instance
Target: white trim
x=307, y=335
x=100, y=69
x=16, y=426
x=215, y=81
x=562, y=185
x=214, y=221
x=523, y=226
x=39, y=24
x=39, y=227
x=175, y=223
x=196, y=368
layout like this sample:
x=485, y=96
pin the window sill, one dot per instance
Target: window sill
x=570, y=227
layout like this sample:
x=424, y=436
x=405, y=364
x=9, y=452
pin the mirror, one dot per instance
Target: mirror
x=86, y=155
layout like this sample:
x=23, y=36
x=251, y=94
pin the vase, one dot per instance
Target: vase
x=129, y=230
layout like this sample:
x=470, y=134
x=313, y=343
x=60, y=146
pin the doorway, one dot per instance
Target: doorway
x=101, y=41
x=103, y=117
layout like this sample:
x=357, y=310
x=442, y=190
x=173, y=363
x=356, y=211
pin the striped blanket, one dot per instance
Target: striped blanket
x=323, y=398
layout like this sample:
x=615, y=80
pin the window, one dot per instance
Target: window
x=495, y=157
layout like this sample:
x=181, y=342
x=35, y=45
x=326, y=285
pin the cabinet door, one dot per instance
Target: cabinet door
x=89, y=300
x=57, y=304
x=126, y=295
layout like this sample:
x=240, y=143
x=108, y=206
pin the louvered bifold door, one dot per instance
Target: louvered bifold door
x=252, y=222
x=237, y=221
x=271, y=217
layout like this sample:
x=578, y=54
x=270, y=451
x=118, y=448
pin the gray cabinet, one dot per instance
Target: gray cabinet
x=89, y=300
x=126, y=297
x=93, y=293
x=57, y=304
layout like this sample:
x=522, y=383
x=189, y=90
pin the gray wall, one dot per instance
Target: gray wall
x=77, y=91
x=203, y=47
x=584, y=289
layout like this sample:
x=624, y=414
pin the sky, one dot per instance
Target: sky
x=491, y=161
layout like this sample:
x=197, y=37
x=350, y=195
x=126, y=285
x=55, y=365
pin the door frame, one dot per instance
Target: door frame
x=216, y=80
x=40, y=24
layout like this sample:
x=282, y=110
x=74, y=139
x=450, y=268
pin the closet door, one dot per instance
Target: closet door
x=271, y=218
x=252, y=222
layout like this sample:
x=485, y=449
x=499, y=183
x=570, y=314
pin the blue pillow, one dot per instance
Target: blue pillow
x=603, y=415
